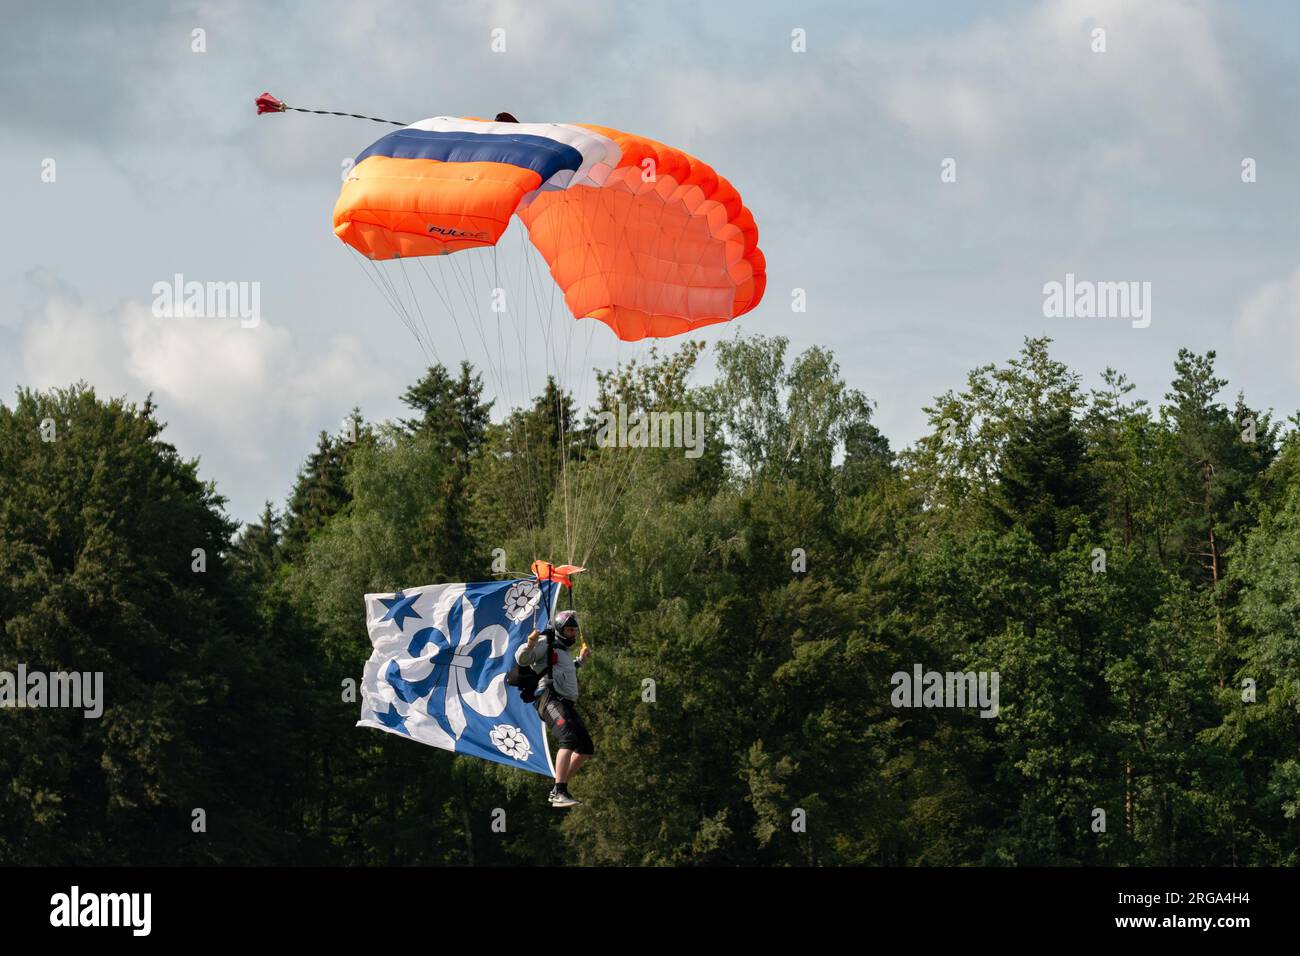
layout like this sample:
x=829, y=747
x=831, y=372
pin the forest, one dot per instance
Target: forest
x=1131, y=571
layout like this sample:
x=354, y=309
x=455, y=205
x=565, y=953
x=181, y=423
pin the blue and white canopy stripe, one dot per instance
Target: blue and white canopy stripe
x=561, y=154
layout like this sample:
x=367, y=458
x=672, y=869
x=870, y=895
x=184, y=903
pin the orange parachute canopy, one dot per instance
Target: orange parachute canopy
x=641, y=236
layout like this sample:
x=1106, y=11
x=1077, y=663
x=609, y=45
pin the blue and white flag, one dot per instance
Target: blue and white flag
x=437, y=673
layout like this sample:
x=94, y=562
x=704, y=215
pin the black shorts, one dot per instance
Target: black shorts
x=562, y=717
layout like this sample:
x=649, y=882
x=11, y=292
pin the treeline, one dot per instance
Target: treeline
x=1131, y=573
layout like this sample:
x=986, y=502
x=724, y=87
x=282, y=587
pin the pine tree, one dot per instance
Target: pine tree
x=1043, y=480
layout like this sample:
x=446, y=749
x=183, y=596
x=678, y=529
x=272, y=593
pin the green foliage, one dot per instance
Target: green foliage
x=99, y=530
x=1129, y=573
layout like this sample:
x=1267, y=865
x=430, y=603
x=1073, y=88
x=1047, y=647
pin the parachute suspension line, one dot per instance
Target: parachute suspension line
x=546, y=464
x=516, y=313
x=573, y=603
x=430, y=350
x=609, y=492
x=520, y=458
x=564, y=468
x=562, y=380
x=445, y=304
x=623, y=468
x=465, y=285
x=527, y=297
x=494, y=285
x=588, y=502
x=586, y=361
x=625, y=476
x=421, y=331
x=474, y=293
x=583, y=473
x=553, y=373
x=563, y=386
x=598, y=488
x=591, y=462
x=523, y=435
x=451, y=312
x=428, y=332
x=530, y=294
x=629, y=472
x=377, y=280
x=362, y=262
x=415, y=299
x=500, y=321
x=519, y=462
x=520, y=450
x=578, y=507
x=544, y=310
x=384, y=284
x=530, y=297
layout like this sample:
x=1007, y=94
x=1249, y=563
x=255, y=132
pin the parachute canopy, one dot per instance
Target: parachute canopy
x=639, y=235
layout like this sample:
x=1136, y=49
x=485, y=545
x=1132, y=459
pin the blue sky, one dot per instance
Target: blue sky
x=1123, y=165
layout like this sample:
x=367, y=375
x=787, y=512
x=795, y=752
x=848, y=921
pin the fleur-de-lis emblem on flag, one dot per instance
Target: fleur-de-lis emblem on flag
x=438, y=669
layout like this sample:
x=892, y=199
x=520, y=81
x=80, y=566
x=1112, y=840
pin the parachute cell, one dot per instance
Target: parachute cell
x=641, y=236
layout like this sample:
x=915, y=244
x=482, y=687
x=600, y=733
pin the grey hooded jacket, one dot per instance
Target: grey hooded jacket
x=564, y=672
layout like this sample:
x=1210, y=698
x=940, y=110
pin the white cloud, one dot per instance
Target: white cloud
x=1030, y=83
x=69, y=341
x=1034, y=118
x=1267, y=329
x=233, y=388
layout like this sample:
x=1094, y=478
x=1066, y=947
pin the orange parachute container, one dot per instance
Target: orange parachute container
x=641, y=236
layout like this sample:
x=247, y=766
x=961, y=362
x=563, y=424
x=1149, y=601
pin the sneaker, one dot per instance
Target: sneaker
x=550, y=797
x=565, y=799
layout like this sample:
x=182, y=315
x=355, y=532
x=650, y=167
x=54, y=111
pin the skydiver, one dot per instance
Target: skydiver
x=557, y=695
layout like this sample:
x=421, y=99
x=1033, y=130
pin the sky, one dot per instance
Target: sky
x=1119, y=165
